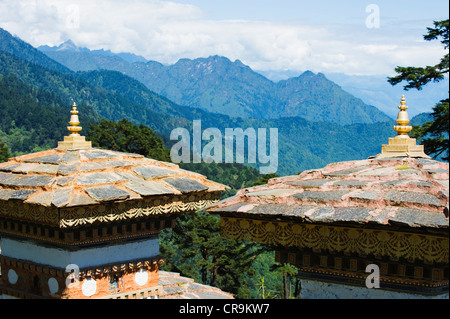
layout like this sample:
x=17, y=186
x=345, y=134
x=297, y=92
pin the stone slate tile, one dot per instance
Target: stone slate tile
x=107, y=193
x=350, y=183
x=271, y=193
x=322, y=214
x=173, y=290
x=22, y=194
x=149, y=188
x=412, y=197
x=281, y=210
x=24, y=167
x=5, y=194
x=185, y=185
x=90, y=166
x=149, y=172
x=64, y=181
x=71, y=156
x=351, y=214
x=425, y=161
x=8, y=168
x=95, y=154
x=383, y=171
x=419, y=218
x=25, y=180
x=348, y=171
x=330, y=214
x=393, y=183
x=99, y=178
x=6, y=178
x=231, y=208
x=66, y=169
x=107, y=164
x=47, y=159
x=80, y=199
x=37, y=180
x=409, y=171
x=43, y=198
x=310, y=183
x=366, y=195
x=132, y=155
x=329, y=195
x=381, y=218
x=36, y=168
x=210, y=295
x=421, y=183
x=61, y=197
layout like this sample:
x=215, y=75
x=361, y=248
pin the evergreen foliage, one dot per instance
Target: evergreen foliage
x=434, y=134
x=125, y=137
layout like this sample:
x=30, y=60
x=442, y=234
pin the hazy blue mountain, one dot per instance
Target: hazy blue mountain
x=313, y=96
x=70, y=46
x=25, y=51
x=112, y=95
x=219, y=85
x=375, y=90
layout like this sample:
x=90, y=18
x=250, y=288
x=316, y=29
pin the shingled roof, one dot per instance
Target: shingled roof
x=406, y=192
x=77, y=184
x=401, y=186
x=67, y=178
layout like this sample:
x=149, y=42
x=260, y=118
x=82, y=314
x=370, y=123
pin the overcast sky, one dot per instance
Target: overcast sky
x=322, y=36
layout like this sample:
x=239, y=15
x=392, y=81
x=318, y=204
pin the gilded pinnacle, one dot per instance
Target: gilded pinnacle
x=402, y=119
x=74, y=121
x=402, y=145
x=74, y=140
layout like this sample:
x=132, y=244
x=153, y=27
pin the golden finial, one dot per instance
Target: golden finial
x=74, y=140
x=402, y=145
x=74, y=121
x=402, y=119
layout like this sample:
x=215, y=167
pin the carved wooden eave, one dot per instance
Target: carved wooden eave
x=53, y=195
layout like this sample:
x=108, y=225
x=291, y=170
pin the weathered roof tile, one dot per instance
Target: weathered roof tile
x=107, y=193
x=185, y=185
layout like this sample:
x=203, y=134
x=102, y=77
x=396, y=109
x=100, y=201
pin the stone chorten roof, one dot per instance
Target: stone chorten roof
x=401, y=185
x=409, y=192
x=76, y=175
x=67, y=178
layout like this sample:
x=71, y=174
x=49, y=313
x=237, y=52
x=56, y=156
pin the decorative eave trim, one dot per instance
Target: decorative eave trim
x=361, y=241
x=69, y=217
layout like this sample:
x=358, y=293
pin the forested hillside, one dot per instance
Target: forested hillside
x=218, y=85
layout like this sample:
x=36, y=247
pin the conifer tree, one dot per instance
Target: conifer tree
x=434, y=134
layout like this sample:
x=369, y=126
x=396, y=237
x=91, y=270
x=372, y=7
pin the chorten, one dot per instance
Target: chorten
x=81, y=222
x=386, y=217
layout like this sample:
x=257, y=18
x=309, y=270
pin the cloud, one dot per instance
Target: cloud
x=167, y=31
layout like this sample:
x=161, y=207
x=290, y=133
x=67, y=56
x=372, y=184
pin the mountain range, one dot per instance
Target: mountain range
x=303, y=144
x=218, y=85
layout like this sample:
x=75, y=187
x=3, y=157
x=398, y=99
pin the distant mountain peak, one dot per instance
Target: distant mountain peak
x=68, y=45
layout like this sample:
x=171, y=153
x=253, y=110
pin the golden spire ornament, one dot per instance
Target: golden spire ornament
x=74, y=140
x=74, y=129
x=402, y=145
x=402, y=119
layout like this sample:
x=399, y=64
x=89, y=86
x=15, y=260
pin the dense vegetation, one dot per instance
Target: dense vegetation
x=433, y=134
x=114, y=96
x=31, y=119
x=217, y=85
